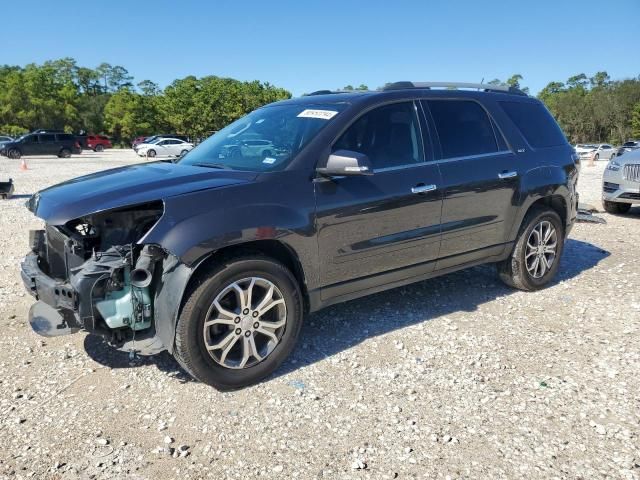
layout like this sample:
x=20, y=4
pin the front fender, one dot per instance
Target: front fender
x=196, y=224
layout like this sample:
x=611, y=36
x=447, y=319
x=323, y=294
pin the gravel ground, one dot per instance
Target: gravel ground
x=455, y=377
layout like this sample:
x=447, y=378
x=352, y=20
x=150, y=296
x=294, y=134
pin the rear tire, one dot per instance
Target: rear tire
x=64, y=153
x=616, y=207
x=14, y=153
x=597, y=157
x=99, y=148
x=192, y=336
x=520, y=270
x=184, y=152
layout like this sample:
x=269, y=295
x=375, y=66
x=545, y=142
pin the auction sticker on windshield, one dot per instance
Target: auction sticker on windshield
x=322, y=114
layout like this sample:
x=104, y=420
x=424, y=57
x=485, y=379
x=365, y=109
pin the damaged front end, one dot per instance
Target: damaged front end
x=96, y=273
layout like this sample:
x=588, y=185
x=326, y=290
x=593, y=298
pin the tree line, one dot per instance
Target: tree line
x=592, y=109
x=60, y=94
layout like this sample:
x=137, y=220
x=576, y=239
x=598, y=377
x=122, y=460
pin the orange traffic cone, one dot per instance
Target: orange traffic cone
x=23, y=165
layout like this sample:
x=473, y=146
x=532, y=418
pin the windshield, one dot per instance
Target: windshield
x=265, y=140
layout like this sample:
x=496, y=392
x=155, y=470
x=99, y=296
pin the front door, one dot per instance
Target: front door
x=30, y=145
x=369, y=225
x=480, y=181
x=47, y=144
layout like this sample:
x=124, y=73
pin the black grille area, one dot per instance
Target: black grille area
x=610, y=187
x=631, y=196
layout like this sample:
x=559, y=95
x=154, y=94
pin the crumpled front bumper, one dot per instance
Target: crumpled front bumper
x=53, y=314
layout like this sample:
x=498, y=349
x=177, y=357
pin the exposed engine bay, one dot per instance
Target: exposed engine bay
x=103, y=276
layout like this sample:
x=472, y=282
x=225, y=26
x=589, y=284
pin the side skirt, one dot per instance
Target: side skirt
x=345, y=291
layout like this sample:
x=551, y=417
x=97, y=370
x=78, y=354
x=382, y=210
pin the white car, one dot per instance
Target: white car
x=621, y=183
x=584, y=150
x=164, y=147
x=599, y=151
x=604, y=151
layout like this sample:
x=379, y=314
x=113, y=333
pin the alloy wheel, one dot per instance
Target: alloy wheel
x=245, y=323
x=541, y=250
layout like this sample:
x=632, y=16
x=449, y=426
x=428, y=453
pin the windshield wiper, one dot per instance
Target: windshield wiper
x=211, y=165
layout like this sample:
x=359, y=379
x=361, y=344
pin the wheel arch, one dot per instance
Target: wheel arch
x=180, y=279
x=556, y=202
x=270, y=248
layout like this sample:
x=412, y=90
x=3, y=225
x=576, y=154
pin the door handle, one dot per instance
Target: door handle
x=507, y=175
x=423, y=188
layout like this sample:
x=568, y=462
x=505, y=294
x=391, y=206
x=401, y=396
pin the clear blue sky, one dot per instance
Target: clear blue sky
x=306, y=45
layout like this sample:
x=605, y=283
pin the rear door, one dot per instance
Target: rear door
x=480, y=179
x=387, y=221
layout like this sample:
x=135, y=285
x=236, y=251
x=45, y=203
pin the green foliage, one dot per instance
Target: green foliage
x=635, y=121
x=60, y=94
x=594, y=109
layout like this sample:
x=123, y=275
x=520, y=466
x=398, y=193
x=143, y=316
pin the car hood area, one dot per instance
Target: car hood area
x=125, y=186
x=632, y=156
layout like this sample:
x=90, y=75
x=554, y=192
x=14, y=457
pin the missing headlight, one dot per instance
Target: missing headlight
x=123, y=226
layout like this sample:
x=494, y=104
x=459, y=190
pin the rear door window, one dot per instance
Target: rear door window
x=535, y=123
x=463, y=127
x=47, y=138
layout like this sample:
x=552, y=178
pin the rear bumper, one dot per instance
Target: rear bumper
x=53, y=314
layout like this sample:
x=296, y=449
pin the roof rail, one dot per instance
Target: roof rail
x=331, y=92
x=454, y=85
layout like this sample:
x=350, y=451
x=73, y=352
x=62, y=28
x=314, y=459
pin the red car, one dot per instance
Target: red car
x=138, y=140
x=98, y=143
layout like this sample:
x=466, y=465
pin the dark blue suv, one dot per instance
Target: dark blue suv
x=218, y=256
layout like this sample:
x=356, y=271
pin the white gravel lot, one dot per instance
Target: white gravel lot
x=455, y=377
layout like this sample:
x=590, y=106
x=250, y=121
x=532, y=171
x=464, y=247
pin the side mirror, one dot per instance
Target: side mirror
x=346, y=163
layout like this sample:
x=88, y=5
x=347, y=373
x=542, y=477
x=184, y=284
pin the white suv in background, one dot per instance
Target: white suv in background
x=621, y=183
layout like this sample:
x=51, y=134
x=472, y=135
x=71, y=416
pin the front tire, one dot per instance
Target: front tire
x=535, y=258
x=99, y=148
x=616, y=207
x=241, y=319
x=151, y=153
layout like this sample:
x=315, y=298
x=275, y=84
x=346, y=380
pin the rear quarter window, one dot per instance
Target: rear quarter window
x=535, y=123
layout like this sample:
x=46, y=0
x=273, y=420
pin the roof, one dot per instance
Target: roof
x=400, y=89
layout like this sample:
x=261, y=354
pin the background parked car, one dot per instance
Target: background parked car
x=164, y=147
x=60, y=144
x=604, y=151
x=98, y=143
x=584, y=150
x=5, y=138
x=629, y=146
x=621, y=183
x=152, y=138
x=138, y=140
x=251, y=148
